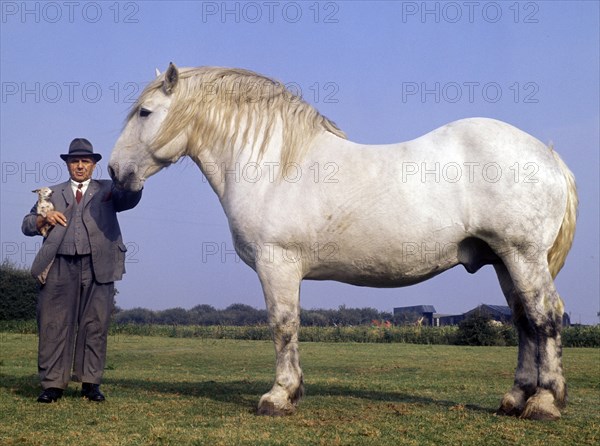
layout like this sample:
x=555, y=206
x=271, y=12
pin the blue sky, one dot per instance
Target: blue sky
x=383, y=71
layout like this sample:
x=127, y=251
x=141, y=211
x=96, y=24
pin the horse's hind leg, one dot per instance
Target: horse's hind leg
x=525, y=385
x=539, y=385
x=281, y=289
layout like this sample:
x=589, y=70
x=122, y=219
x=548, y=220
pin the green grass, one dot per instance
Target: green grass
x=189, y=391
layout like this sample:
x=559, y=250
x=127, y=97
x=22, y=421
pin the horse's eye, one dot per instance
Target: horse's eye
x=144, y=112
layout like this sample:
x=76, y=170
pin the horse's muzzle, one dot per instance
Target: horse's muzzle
x=125, y=177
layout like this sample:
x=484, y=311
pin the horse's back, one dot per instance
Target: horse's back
x=515, y=187
x=406, y=207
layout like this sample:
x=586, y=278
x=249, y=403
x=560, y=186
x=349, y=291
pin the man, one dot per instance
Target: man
x=85, y=255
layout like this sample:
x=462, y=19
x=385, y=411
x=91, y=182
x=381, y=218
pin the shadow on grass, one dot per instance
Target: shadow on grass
x=29, y=386
x=247, y=393
x=242, y=393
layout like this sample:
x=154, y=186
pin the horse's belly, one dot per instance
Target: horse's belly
x=412, y=265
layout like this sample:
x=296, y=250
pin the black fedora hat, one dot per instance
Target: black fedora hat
x=81, y=147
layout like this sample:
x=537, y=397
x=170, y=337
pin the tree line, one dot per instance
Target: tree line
x=18, y=293
x=245, y=315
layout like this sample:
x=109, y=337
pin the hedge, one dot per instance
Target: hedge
x=576, y=336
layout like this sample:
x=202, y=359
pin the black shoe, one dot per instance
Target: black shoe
x=50, y=395
x=92, y=392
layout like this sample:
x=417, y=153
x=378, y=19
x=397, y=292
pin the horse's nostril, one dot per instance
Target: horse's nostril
x=111, y=172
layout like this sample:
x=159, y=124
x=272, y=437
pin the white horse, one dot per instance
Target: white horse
x=305, y=203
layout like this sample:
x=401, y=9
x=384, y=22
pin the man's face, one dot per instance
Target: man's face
x=81, y=167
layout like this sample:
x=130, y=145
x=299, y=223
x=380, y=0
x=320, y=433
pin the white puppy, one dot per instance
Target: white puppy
x=44, y=205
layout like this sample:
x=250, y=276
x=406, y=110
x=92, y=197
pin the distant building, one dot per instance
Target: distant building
x=412, y=314
x=500, y=313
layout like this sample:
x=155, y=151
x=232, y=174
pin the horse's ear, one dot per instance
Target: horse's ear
x=171, y=78
x=157, y=72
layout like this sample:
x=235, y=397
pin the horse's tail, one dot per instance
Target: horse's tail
x=564, y=239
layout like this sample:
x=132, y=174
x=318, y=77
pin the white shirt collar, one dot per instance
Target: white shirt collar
x=75, y=185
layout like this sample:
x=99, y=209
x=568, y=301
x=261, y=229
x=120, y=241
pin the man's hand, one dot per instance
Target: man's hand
x=52, y=218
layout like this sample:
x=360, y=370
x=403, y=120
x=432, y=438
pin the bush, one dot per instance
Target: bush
x=19, y=293
x=477, y=329
x=581, y=336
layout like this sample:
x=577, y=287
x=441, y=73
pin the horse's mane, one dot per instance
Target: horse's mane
x=234, y=105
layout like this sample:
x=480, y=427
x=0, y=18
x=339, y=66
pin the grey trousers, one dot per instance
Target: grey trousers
x=73, y=315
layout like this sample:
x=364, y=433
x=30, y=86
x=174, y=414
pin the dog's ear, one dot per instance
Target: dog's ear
x=35, y=191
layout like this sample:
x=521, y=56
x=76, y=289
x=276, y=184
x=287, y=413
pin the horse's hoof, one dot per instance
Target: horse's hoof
x=269, y=408
x=503, y=410
x=512, y=404
x=542, y=415
x=541, y=407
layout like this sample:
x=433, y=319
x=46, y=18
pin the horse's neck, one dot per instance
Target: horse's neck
x=210, y=167
x=235, y=167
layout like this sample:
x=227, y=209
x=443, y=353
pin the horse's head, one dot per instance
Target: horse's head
x=145, y=146
x=210, y=112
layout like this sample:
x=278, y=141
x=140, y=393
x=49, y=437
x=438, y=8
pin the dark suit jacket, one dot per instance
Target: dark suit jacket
x=102, y=201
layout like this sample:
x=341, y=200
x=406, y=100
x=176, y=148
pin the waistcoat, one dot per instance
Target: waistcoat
x=76, y=240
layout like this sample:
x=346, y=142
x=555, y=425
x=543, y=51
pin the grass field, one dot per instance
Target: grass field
x=172, y=391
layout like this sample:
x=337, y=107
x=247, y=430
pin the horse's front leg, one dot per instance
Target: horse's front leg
x=281, y=287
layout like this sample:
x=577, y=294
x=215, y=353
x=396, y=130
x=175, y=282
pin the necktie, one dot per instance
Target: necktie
x=78, y=194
